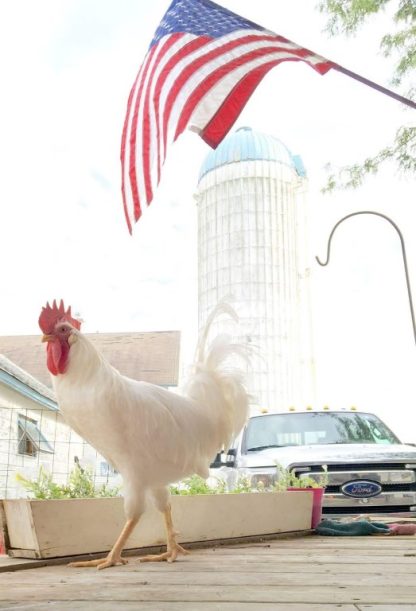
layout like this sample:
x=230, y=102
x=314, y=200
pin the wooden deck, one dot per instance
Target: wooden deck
x=308, y=573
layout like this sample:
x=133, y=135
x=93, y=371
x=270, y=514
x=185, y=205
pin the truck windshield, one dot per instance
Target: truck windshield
x=313, y=428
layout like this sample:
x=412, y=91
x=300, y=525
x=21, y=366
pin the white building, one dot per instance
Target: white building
x=33, y=435
x=32, y=432
x=252, y=245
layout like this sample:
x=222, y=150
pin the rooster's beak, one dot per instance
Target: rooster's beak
x=47, y=338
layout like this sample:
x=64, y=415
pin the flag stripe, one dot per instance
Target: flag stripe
x=128, y=161
x=159, y=82
x=220, y=93
x=123, y=160
x=142, y=190
x=180, y=81
x=143, y=141
x=217, y=128
x=139, y=142
x=239, y=64
x=183, y=86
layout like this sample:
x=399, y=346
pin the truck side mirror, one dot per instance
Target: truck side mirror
x=230, y=458
x=217, y=462
x=223, y=459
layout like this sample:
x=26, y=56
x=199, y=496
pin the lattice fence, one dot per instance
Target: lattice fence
x=31, y=440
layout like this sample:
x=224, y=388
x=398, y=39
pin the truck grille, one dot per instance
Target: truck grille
x=334, y=511
x=396, y=479
x=370, y=466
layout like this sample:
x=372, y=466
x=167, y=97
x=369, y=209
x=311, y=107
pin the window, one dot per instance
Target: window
x=30, y=439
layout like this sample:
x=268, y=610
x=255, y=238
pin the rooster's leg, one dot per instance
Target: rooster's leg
x=114, y=557
x=173, y=548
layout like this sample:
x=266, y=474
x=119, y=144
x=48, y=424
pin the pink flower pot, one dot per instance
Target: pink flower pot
x=318, y=494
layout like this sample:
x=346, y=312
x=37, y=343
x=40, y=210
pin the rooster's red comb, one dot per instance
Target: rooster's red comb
x=51, y=315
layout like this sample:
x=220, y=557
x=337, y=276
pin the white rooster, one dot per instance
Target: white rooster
x=152, y=436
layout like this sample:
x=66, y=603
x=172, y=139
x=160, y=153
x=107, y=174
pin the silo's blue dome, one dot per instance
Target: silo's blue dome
x=248, y=145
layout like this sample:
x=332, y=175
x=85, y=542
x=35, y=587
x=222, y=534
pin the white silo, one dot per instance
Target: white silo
x=252, y=245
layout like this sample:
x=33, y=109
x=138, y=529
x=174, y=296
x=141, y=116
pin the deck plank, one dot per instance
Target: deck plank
x=303, y=574
x=180, y=606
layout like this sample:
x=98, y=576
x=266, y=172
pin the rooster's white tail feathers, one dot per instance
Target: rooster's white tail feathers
x=217, y=381
x=223, y=307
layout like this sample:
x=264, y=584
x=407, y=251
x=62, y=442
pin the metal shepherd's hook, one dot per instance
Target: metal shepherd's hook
x=406, y=270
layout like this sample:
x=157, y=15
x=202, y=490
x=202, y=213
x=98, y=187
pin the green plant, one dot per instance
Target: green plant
x=80, y=485
x=191, y=485
x=287, y=479
x=197, y=485
x=43, y=487
x=244, y=485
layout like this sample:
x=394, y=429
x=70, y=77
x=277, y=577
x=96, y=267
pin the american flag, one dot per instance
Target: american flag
x=201, y=68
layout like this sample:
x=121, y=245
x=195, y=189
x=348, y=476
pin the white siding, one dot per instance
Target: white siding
x=65, y=443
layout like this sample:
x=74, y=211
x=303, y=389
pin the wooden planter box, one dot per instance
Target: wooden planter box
x=48, y=529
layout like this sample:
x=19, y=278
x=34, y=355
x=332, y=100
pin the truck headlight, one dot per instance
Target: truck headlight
x=261, y=478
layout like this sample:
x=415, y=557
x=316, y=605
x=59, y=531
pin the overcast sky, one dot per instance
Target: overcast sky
x=67, y=69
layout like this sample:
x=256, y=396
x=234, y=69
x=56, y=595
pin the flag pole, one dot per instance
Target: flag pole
x=373, y=85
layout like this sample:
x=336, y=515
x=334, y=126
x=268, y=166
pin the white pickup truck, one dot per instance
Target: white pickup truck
x=368, y=469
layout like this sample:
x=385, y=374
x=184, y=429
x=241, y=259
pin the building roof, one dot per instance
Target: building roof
x=21, y=381
x=246, y=144
x=151, y=356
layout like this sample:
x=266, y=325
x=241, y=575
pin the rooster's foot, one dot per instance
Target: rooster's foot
x=100, y=563
x=169, y=556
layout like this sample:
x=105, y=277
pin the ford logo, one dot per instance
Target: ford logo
x=361, y=489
